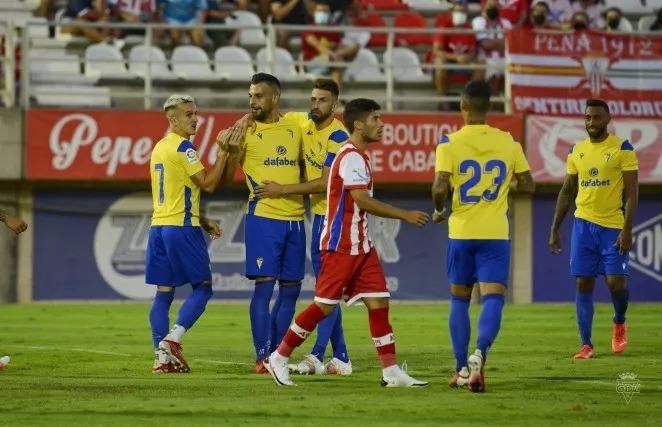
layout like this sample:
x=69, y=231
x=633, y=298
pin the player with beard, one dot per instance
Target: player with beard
x=323, y=135
x=602, y=177
x=274, y=229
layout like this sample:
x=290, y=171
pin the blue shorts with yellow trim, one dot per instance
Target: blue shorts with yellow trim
x=471, y=261
x=275, y=248
x=593, y=251
x=176, y=256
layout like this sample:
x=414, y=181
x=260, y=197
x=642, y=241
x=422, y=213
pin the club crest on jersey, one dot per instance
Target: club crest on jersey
x=259, y=262
x=581, y=155
x=593, y=172
x=607, y=157
x=281, y=151
x=259, y=135
x=192, y=156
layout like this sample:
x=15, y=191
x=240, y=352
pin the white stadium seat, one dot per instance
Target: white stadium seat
x=645, y=23
x=97, y=61
x=72, y=96
x=365, y=68
x=233, y=63
x=247, y=36
x=427, y=5
x=38, y=27
x=158, y=67
x=407, y=66
x=191, y=63
x=634, y=6
x=53, y=66
x=283, y=64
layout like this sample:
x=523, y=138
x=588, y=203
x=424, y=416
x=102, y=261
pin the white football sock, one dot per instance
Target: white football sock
x=176, y=334
x=391, y=371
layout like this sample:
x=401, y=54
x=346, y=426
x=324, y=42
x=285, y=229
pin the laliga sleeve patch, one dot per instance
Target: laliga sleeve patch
x=192, y=156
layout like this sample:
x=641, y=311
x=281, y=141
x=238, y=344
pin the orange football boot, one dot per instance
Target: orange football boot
x=619, y=340
x=586, y=352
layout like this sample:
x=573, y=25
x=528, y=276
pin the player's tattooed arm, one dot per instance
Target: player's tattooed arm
x=525, y=183
x=440, y=189
x=566, y=196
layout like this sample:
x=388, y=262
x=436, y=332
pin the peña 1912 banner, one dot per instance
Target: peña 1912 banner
x=116, y=145
x=555, y=72
x=91, y=245
x=548, y=142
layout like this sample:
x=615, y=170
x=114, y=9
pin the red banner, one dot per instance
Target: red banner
x=554, y=73
x=116, y=145
x=548, y=141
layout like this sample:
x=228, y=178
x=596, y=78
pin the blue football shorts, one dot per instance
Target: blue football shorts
x=177, y=256
x=471, y=261
x=593, y=251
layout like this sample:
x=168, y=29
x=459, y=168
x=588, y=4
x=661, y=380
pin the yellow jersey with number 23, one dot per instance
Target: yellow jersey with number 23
x=481, y=160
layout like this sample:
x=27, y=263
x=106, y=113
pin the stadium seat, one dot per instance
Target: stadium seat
x=191, y=63
x=72, y=96
x=384, y=5
x=158, y=67
x=634, y=6
x=645, y=23
x=233, y=63
x=247, y=36
x=283, y=64
x=365, y=68
x=407, y=66
x=411, y=20
x=373, y=20
x=97, y=57
x=53, y=66
x=427, y=5
x=38, y=28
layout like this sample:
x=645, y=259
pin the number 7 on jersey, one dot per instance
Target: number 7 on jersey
x=161, y=171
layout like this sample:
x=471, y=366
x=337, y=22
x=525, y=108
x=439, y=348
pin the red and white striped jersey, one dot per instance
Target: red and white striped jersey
x=346, y=225
x=135, y=7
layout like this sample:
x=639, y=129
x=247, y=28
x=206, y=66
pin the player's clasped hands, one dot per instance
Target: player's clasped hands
x=417, y=218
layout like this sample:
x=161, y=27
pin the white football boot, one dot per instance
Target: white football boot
x=402, y=379
x=336, y=366
x=310, y=365
x=276, y=365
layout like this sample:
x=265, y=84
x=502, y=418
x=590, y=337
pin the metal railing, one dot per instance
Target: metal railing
x=150, y=92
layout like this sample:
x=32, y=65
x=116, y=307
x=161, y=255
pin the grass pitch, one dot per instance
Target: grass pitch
x=90, y=365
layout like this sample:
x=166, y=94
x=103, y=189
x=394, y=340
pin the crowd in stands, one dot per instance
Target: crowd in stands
x=480, y=50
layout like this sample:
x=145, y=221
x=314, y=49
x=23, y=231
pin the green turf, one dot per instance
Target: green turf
x=55, y=378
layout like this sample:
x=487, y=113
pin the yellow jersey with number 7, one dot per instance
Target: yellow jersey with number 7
x=175, y=196
x=481, y=161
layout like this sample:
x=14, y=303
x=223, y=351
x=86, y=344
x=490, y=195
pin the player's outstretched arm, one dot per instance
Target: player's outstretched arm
x=14, y=224
x=564, y=200
x=525, y=183
x=272, y=190
x=375, y=207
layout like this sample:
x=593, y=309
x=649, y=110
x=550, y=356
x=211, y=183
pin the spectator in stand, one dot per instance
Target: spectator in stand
x=453, y=48
x=319, y=48
x=657, y=25
x=339, y=9
x=184, y=13
x=559, y=12
x=515, y=11
x=578, y=22
x=87, y=11
x=290, y=12
x=613, y=21
x=491, y=44
x=132, y=11
x=217, y=12
x=592, y=8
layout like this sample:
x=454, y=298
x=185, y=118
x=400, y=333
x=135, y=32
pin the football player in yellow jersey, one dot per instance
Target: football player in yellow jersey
x=477, y=162
x=602, y=171
x=275, y=235
x=176, y=250
x=323, y=135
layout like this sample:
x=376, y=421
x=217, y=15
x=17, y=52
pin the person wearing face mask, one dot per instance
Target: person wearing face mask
x=319, y=48
x=453, y=48
x=613, y=21
x=592, y=8
x=491, y=45
x=514, y=11
x=578, y=22
x=539, y=19
x=550, y=14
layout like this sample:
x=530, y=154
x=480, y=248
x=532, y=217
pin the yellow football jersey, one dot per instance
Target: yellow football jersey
x=481, y=160
x=273, y=153
x=319, y=149
x=175, y=196
x=599, y=168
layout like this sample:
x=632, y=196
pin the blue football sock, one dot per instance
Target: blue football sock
x=324, y=331
x=159, y=316
x=194, y=305
x=338, y=338
x=489, y=322
x=288, y=306
x=259, y=312
x=273, y=322
x=584, y=307
x=460, y=329
x=620, y=300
